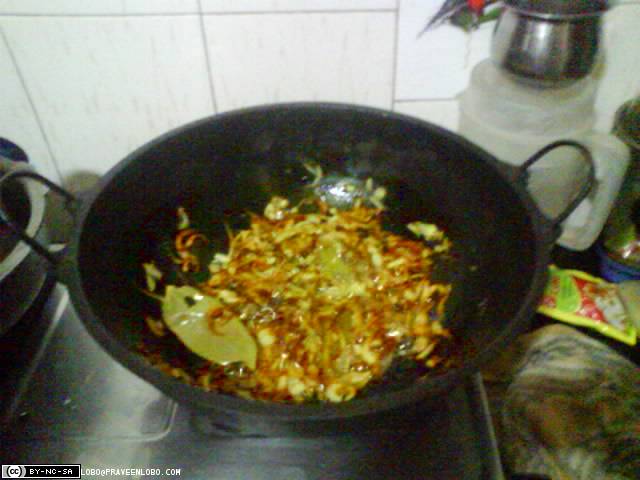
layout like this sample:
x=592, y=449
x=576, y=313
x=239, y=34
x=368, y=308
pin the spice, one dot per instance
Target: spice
x=581, y=299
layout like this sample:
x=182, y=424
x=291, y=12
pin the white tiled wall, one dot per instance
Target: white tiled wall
x=435, y=65
x=346, y=57
x=441, y=112
x=18, y=120
x=236, y=6
x=104, y=86
x=97, y=7
x=83, y=83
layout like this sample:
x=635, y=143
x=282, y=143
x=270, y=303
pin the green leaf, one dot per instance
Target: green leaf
x=185, y=312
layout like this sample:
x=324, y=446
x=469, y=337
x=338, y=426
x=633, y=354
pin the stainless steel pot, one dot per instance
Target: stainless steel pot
x=548, y=42
x=22, y=271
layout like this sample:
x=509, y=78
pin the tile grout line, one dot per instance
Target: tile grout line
x=205, y=46
x=32, y=104
x=415, y=100
x=394, y=66
x=95, y=15
x=200, y=12
x=304, y=12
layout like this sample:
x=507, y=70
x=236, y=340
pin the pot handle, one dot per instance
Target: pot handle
x=71, y=203
x=523, y=173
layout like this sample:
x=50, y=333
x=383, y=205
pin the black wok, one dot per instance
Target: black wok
x=221, y=167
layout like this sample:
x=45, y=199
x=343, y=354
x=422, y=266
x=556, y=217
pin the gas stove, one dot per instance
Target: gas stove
x=65, y=401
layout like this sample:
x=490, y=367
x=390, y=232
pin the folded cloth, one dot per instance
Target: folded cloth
x=566, y=406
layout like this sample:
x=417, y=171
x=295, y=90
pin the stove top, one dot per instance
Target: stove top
x=64, y=400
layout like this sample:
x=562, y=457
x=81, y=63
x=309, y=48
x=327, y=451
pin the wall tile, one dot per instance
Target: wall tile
x=293, y=5
x=620, y=73
x=96, y=7
x=17, y=118
x=437, y=64
x=441, y=112
x=274, y=58
x=103, y=86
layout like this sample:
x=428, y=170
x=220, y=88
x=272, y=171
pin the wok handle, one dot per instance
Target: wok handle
x=71, y=204
x=523, y=172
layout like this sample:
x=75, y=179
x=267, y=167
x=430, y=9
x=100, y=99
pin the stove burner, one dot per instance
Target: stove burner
x=19, y=345
x=76, y=405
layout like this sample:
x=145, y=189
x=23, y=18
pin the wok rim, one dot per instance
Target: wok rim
x=202, y=400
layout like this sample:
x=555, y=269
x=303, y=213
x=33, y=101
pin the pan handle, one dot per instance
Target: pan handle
x=523, y=173
x=71, y=203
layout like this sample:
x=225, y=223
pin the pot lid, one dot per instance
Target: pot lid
x=559, y=8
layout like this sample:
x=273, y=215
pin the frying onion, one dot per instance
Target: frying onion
x=325, y=301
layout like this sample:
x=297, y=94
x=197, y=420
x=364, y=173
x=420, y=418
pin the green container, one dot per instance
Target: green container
x=621, y=235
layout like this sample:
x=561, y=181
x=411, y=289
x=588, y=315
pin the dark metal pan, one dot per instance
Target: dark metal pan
x=222, y=166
